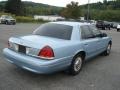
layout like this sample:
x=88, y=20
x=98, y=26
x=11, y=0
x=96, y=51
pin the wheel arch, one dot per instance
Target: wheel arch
x=110, y=42
x=83, y=53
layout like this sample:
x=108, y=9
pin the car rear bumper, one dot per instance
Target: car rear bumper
x=35, y=64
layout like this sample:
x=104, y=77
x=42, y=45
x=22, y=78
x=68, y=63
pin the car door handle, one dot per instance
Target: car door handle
x=86, y=44
x=98, y=41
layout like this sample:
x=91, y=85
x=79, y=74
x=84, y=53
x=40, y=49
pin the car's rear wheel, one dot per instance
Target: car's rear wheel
x=76, y=65
x=108, y=50
x=118, y=30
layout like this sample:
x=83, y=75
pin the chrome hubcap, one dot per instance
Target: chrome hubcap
x=108, y=49
x=78, y=64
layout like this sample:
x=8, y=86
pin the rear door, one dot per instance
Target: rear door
x=89, y=41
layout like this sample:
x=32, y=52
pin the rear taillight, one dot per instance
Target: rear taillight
x=46, y=53
x=8, y=44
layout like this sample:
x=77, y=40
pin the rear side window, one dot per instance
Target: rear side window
x=94, y=30
x=86, y=33
x=53, y=30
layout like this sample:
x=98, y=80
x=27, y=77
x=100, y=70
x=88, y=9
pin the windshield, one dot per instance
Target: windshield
x=8, y=17
x=55, y=31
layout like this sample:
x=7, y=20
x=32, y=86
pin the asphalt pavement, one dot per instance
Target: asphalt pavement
x=100, y=73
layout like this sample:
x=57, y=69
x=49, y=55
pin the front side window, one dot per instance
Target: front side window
x=53, y=30
x=86, y=33
x=8, y=17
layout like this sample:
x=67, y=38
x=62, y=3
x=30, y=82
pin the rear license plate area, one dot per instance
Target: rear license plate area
x=22, y=49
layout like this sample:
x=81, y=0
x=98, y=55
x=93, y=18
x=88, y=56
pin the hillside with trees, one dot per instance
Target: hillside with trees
x=14, y=7
x=31, y=8
x=108, y=10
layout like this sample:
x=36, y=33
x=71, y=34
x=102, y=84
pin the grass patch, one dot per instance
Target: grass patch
x=23, y=19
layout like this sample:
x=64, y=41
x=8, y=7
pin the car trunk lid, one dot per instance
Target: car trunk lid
x=32, y=44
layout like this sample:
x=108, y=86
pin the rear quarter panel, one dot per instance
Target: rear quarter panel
x=68, y=49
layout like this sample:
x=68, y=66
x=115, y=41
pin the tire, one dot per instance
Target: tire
x=108, y=50
x=6, y=23
x=103, y=28
x=118, y=30
x=76, y=65
x=14, y=23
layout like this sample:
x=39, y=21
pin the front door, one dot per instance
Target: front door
x=90, y=42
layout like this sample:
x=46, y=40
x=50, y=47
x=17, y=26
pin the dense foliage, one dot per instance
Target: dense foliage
x=71, y=11
x=14, y=7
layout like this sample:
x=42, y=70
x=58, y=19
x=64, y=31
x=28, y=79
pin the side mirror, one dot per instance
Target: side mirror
x=101, y=35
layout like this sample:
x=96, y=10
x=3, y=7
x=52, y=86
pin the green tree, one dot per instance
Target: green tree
x=105, y=2
x=14, y=7
x=72, y=11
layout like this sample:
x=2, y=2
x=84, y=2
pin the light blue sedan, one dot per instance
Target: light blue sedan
x=57, y=46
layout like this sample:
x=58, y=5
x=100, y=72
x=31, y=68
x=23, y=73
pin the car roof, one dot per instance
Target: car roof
x=71, y=23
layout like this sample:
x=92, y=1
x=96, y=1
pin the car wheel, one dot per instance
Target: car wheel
x=103, y=28
x=76, y=65
x=6, y=23
x=108, y=50
x=118, y=30
x=14, y=23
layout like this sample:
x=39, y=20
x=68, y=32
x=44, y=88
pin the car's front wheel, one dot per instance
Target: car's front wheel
x=14, y=23
x=76, y=65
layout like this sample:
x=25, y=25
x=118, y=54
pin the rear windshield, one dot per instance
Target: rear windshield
x=100, y=22
x=55, y=31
